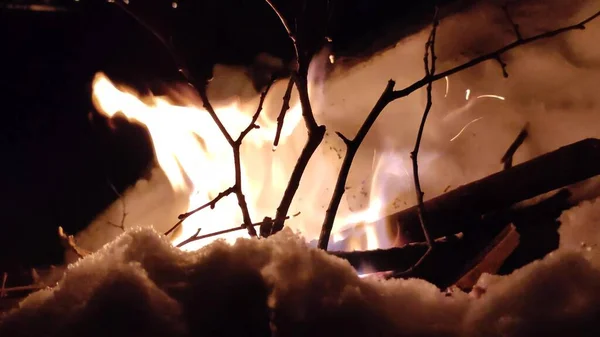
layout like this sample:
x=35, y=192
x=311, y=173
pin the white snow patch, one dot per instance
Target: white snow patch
x=139, y=285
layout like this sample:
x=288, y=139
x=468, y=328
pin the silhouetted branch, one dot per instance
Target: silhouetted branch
x=351, y=149
x=389, y=95
x=197, y=237
x=68, y=242
x=514, y=25
x=285, y=106
x=123, y=205
x=507, y=159
x=201, y=87
x=489, y=56
x=429, y=72
x=305, y=48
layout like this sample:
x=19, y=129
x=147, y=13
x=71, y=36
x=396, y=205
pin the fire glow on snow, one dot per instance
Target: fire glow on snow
x=140, y=285
x=551, y=88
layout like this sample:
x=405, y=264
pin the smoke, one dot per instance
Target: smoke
x=551, y=87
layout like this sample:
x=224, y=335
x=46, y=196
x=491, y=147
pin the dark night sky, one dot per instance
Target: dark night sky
x=56, y=160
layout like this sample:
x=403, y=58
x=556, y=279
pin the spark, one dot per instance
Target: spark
x=467, y=94
x=332, y=58
x=447, y=86
x=502, y=98
x=464, y=128
x=33, y=8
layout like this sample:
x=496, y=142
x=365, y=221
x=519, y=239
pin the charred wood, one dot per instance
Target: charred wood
x=451, y=212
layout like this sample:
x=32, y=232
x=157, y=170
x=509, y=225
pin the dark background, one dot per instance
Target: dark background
x=59, y=156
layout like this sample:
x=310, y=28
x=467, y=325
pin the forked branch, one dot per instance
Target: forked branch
x=201, y=89
x=389, y=95
x=494, y=55
x=304, y=47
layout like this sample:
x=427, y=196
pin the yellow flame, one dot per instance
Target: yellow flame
x=202, y=168
x=198, y=161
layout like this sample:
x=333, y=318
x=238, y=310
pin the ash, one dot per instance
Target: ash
x=140, y=285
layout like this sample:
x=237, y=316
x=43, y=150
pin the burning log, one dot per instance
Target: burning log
x=451, y=212
x=457, y=259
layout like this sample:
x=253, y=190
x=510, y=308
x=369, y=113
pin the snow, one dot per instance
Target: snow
x=552, y=86
x=140, y=285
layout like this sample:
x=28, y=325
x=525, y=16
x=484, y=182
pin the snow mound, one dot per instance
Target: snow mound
x=139, y=285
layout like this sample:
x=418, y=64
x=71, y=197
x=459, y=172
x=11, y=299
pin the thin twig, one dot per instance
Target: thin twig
x=351, y=149
x=210, y=204
x=124, y=211
x=285, y=106
x=429, y=71
x=389, y=95
x=507, y=159
x=68, y=242
x=489, y=56
x=197, y=237
x=201, y=89
x=236, y=145
x=316, y=132
x=283, y=22
x=429, y=66
x=4, y=278
x=253, y=124
x=514, y=25
x=23, y=288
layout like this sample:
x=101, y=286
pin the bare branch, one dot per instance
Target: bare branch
x=123, y=206
x=304, y=52
x=197, y=237
x=429, y=72
x=507, y=159
x=190, y=239
x=210, y=204
x=351, y=149
x=503, y=66
x=4, y=277
x=253, y=124
x=201, y=89
x=493, y=55
x=389, y=95
x=68, y=242
x=285, y=106
x=514, y=25
x=283, y=22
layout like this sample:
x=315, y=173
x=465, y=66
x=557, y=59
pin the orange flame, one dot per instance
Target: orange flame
x=198, y=161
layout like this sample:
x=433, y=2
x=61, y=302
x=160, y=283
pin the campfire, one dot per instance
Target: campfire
x=397, y=195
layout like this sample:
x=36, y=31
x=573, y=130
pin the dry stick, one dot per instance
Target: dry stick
x=389, y=95
x=351, y=149
x=237, y=186
x=285, y=106
x=429, y=71
x=124, y=213
x=507, y=159
x=493, y=55
x=316, y=132
x=210, y=204
x=201, y=87
x=197, y=237
x=4, y=278
x=514, y=25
